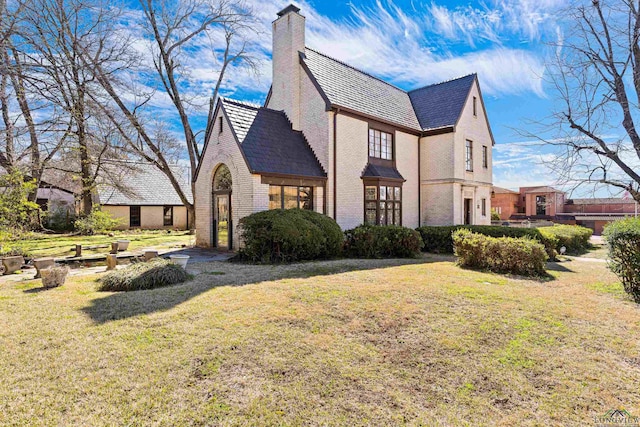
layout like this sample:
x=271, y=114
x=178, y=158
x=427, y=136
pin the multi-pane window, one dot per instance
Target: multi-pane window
x=134, y=216
x=485, y=157
x=469, y=156
x=483, y=204
x=382, y=205
x=380, y=144
x=288, y=197
x=167, y=216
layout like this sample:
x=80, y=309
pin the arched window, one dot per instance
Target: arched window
x=222, y=179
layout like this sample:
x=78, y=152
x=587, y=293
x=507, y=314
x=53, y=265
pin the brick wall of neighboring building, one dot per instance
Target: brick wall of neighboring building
x=505, y=203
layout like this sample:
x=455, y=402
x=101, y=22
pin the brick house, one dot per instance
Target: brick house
x=344, y=143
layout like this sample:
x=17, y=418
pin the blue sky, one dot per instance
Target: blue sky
x=411, y=43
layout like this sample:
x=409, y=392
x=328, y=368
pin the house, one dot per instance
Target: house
x=148, y=201
x=548, y=203
x=505, y=202
x=342, y=142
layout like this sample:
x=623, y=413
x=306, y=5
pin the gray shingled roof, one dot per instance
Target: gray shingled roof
x=377, y=171
x=147, y=186
x=350, y=88
x=440, y=105
x=269, y=143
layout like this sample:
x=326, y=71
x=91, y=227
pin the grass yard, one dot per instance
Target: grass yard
x=346, y=342
x=62, y=245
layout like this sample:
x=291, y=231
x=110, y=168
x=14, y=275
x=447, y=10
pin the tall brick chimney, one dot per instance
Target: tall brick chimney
x=288, y=41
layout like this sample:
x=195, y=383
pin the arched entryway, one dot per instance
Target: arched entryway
x=222, y=225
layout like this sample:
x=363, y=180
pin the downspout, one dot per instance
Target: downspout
x=335, y=175
x=419, y=186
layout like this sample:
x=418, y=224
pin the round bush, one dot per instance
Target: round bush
x=382, y=241
x=144, y=275
x=289, y=235
x=623, y=239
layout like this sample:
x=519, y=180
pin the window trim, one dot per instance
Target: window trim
x=485, y=157
x=380, y=183
x=139, y=224
x=298, y=187
x=388, y=132
x=164, y=216
x=468, y=155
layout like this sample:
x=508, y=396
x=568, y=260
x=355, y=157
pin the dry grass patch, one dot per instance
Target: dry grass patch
x=350, y=342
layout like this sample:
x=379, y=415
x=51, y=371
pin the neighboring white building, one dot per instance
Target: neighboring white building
x=339, y=141
x=149, y=200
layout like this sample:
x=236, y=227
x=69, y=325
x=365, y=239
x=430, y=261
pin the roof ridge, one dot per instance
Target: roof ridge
x=443, y=82
x=243, y=103
x=356, y=69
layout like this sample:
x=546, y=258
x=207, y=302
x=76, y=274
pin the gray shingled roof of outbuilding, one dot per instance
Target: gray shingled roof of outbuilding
x=269, y=143
x=356, y=90
x=440, y=105
x=148, y=186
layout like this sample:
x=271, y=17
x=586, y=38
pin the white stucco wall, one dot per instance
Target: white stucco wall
x=151, y=217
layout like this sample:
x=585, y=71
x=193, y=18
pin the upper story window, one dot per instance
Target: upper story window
x=485, y=156
x=469, y=156
x=475, y=106
x=220, y=120
x=380, y=144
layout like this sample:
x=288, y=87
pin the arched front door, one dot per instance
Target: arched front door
x=221, y=198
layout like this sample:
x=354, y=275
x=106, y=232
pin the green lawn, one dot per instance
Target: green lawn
x=346, y=342
x=62, y=245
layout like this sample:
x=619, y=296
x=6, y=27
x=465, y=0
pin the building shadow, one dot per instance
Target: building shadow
x=122, y=305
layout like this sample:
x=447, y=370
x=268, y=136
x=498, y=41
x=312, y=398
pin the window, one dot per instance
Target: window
x=475, y=106
x=288, y=197
x=382, y=205
x=483, y=204
x=220, y=120
x=380, y=144
x=469, y=156
x=541, y=205
x=167, y=216
x=134, y=216
x=485, y=157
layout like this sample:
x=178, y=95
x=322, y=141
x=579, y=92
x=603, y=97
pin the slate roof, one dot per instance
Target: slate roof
x=440, y=105
x=377, y=171
x=430, y=107
x=351, y=88
x=268, y=142
x=147, y=186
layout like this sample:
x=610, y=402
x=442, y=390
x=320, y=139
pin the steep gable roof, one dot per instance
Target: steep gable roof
x=440, y=105
x=268, y=142
x=360, y=92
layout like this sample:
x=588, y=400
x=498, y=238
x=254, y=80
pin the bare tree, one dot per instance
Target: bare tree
x=174, y=27
x=596, y=75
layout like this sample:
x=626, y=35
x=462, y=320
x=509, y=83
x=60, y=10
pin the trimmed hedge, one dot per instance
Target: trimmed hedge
x=382, y=241
x=439, y=239
x=573, y=237
x=144, y=275
x=288, y=235
x=623, y=239
x=522, y=256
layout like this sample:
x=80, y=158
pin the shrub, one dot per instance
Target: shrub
x=623, y=239
x=144, y=275
x=16, y=211
x=439, y=239
x=523, y=256
x=97, y=222
x=382, y=241
x=288, y=235
x=495, y=216
x=573, y=237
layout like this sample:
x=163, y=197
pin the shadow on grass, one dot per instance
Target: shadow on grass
x=36, y=290
x=123, y=305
